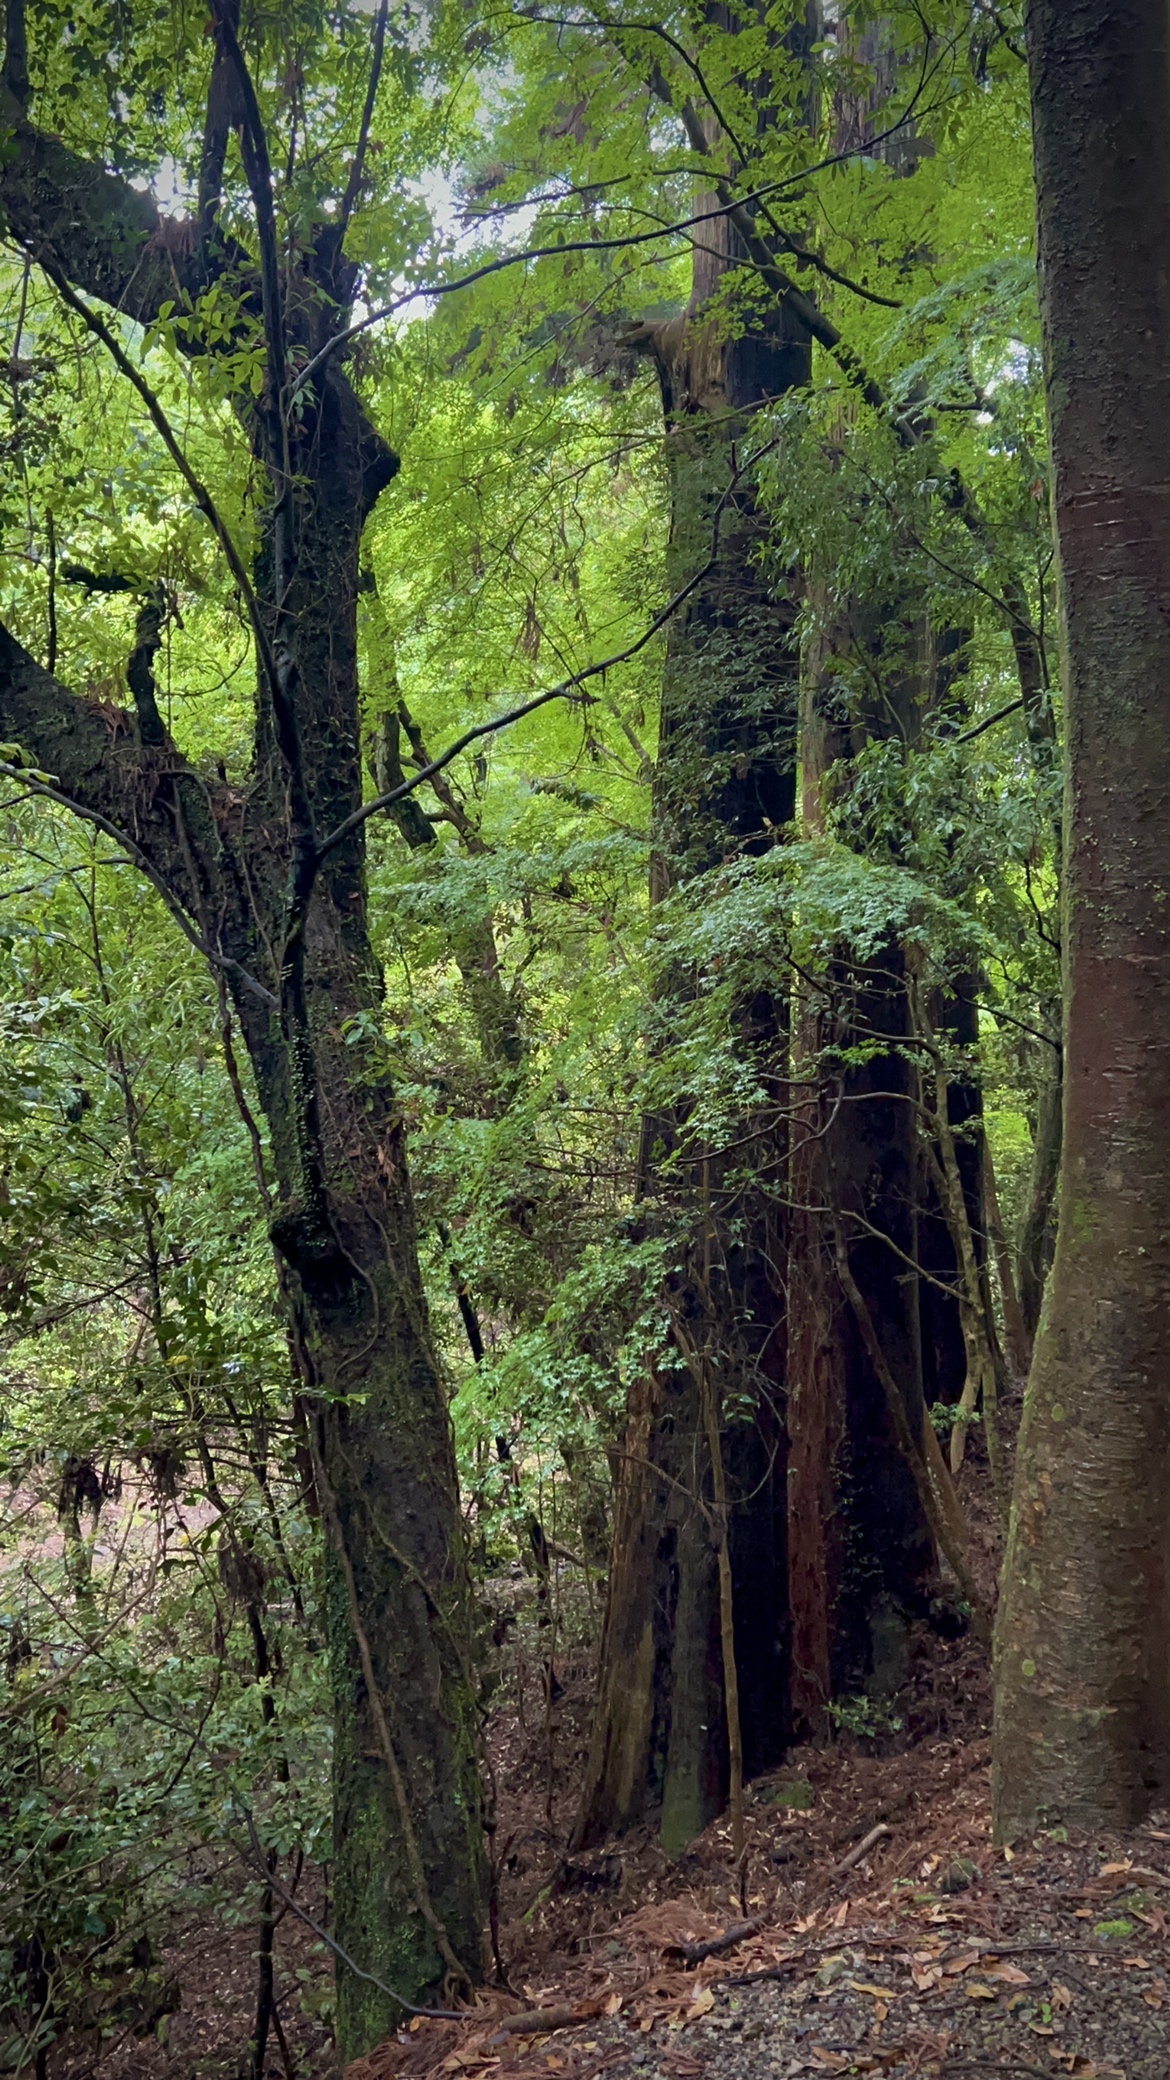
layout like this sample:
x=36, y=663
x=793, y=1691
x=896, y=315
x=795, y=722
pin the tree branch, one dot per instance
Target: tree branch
x=199, y=492
x=98, y=773
x=111, y=241
x=820, y=326
x=16, y=54
x=567, y=690
x=357, y=170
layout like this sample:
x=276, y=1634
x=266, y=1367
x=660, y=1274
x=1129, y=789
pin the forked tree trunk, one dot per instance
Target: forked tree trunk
x=1082, y=1674
x=408, y=1851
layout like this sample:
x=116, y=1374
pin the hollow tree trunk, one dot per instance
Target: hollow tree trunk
x=724, y=784
x=1082, y=1727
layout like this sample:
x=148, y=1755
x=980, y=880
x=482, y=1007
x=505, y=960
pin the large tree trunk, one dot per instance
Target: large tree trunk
x=407, y=1840
x=725, y=783
x=408, y=1854
x=1083, y=1678
x=860, y=1553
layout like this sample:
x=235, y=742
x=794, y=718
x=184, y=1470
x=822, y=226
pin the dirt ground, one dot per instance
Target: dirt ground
x=872, y=1929
x=884, y=1933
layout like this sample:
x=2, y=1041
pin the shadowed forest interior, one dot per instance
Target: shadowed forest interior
x=585, y=986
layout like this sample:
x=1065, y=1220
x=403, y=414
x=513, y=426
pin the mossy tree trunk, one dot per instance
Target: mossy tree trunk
x=1082, y=1726
x=297, y=957
x=724, y=786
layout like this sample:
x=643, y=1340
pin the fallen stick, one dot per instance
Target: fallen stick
x=694, y=1953
x=858, y=1855
x=1017, y=2066
x=771, y=1971
x=536, y=2022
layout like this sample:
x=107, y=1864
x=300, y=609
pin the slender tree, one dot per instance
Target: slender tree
x=1082, y=1680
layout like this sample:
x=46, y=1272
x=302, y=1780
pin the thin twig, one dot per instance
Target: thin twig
x=600, y=245
x=568, y=689
x=199, y=492
x=353, y=185
x=371, y=1978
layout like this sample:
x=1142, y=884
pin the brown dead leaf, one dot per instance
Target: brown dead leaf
x=975, y=1992
x=832, y=2061
x=1006, y=1974
x=611, y=2004
x=1062, y=1996
x=880, y=1993
x=1154, y=1996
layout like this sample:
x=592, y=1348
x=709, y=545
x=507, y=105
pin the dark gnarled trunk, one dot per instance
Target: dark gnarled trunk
x=1082, y=1676
x=860, y=1552
x=724, y=785
x=407, y=1852
x=407, y=1842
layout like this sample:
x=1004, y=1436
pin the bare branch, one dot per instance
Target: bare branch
x=357, y=170
x=569, y=689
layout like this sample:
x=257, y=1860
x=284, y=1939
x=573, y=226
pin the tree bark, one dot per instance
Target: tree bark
x=1082, y=1678
x=1036, y=1237
x=408, y=1851
x=860, y=1553
x=724, y=785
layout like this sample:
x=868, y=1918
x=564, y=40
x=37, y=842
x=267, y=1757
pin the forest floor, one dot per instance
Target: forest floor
x=927, y=1953
x=918, y=1950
